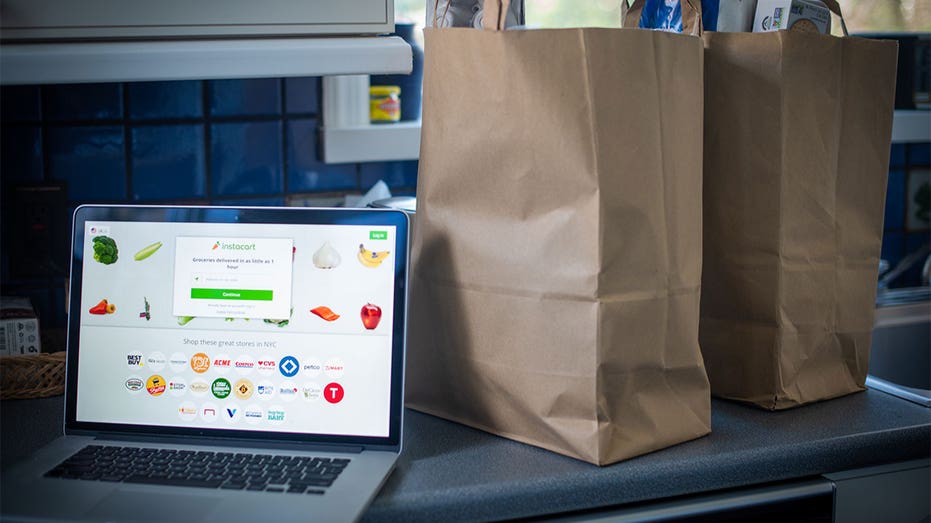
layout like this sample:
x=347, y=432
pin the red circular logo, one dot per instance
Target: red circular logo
x=333, y=392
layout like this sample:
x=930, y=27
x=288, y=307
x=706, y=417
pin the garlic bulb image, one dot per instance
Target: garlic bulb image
x=326, y=257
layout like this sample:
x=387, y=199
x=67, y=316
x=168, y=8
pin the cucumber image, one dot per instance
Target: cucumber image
x=148, y=251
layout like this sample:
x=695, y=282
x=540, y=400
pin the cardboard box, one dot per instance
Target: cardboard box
x=794, y=15
x=19, y=327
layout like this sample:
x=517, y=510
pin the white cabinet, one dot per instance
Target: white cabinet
x=133, y=61
x=95, y=19
x=66, y=41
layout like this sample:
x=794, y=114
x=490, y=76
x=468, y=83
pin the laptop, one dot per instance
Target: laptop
x=225, y=364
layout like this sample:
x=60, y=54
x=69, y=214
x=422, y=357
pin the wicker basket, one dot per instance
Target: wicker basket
x=32, y=376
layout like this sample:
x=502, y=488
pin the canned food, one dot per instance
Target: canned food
x=384, y=103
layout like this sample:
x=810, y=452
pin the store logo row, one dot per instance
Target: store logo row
x=209, y=412
x=243, y=389
x=288, y=366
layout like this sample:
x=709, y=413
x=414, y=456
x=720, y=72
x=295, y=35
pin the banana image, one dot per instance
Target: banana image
x=371, y=259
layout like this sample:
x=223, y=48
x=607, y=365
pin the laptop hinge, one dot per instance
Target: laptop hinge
x=215, y=442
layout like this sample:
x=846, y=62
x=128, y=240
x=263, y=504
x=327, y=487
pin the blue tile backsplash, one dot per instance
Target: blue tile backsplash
x=395, y=174
x=260, y=202
x=897, y=155
x=893, y=248
x=164, y=100
x=306, y=173
x=168, y=162
x=907, y=227
x=83, y=102
x=302, y=95
x=253, y=97
x=229, y=142
x=213, y=141
x=920, y=154
x=90, y=159
x=21, y=154
x=20, y=103
x=245, y=158
x=895, y=200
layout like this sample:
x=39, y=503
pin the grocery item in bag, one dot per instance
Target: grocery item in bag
x=676, y=16
x=699, y=15
x=469, y=13
x=810, y=16
x=728, y=16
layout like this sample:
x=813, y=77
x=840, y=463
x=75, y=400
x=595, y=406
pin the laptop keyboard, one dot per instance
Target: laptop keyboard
x=217, y=470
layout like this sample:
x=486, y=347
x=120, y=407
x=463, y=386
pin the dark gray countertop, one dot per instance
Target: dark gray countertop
x=453, y=473
x=449, y=472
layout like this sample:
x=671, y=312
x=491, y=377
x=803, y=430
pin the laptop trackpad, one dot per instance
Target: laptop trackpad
x=124, y=505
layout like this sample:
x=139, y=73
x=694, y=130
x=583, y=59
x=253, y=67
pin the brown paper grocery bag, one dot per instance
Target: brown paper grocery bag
x=797, y=140
x=557, y=253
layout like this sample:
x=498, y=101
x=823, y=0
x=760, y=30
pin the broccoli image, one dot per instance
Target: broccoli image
x=105, y=250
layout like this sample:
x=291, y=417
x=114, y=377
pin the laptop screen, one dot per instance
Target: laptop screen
x=238, y=322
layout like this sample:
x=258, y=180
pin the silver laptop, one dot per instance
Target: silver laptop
x=225, y=364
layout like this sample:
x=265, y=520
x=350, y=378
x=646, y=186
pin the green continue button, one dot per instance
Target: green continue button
x=231, y=294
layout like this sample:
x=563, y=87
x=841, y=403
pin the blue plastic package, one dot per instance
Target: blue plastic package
x=709, y=14
x=666, y=15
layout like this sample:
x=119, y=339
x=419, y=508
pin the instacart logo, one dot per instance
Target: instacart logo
x=223, y=246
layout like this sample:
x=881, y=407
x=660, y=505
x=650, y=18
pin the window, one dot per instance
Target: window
x=861, y=15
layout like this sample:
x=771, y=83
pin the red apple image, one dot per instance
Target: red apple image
x=371, y=315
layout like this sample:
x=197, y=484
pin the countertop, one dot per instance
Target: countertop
x=449, y=472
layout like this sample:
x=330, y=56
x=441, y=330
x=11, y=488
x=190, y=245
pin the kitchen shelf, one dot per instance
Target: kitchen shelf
x=401, y=141
x=130, y=61
x=347, y=136
x=372, y=143
x=911, y=126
